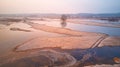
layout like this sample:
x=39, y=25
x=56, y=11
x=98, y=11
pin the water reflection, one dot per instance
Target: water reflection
x=103, y=55
x=63, y=24
x=80, y=27
x=107, y=30
x=63, y=21
x=57, y=57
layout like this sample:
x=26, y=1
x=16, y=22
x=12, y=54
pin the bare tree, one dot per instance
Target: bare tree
x=63, y=21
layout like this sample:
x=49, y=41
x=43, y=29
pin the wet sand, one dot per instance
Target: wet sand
x=63, y=42
x=76, y=39
x=40, y=48
x=10, y=39
x=57, y=57
x=40, y=57
x=62, y=30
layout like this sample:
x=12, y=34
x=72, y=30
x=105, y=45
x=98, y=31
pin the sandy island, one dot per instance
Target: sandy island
x=82, y=40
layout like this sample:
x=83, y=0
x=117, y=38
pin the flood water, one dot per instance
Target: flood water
x=103, y=21
x=80, y=27
x=94, y=56
x=99, y=55
x=9, y=38
x=107, y=30
x=104, y=55
x=13, y=38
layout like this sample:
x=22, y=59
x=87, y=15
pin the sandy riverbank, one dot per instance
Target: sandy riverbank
x=76, y=39
x=82, y=40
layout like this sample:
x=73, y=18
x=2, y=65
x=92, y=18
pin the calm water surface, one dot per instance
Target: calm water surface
x=80, y=27
x=9, y=39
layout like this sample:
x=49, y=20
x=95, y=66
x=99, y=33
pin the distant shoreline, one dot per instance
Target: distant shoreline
x=93, y=23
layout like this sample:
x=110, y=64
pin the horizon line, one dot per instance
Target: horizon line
x=61, y=13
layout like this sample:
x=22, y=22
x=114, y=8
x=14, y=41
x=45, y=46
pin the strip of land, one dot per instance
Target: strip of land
x=77, y=21
x=75, y=40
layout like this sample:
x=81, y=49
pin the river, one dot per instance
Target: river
x=81, y=27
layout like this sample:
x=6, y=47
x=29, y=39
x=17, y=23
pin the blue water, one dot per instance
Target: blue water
x=107, y=30
x=80, y=27
x=100, y=55
x=104, y=21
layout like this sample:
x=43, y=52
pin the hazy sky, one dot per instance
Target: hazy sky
x=59, y=6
